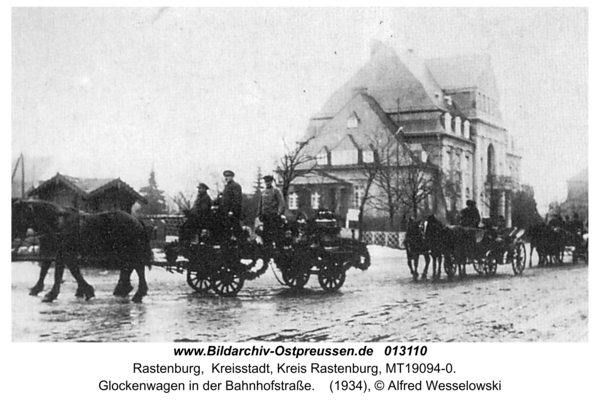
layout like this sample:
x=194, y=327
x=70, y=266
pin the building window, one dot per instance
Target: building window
x=344, y=157
x=353, y=121
x=359, y=194
x=322, y=159
x=368, y=156
x=448, y=123
x=447, y=161
x=314, y=200
x=293, y=201
x=457, y=126
x=467, y=129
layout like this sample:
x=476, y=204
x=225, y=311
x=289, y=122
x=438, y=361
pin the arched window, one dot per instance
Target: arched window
x=448, y=123
x=467, y=129
x=457, y=126
x=491, y=161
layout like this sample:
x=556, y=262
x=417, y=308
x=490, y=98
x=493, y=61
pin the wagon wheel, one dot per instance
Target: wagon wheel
x=295, y=278
x=479, y=265
x=449, y=267
x=226, y=282
x=490, y=264
x=331, y=278
x=519, y=257
x=198, y=278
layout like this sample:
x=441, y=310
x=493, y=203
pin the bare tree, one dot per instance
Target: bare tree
x=416, y=185
x=451, y=184
x=184, y=201
x=295, y=163
x=391, y=156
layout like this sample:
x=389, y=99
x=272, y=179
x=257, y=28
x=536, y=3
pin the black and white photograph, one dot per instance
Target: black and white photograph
x=299, y=175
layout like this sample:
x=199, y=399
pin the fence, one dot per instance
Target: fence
x=166, y=226
x=385, y=238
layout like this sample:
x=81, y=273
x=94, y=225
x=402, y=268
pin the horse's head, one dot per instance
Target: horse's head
x=22, y=218
x=41, y=216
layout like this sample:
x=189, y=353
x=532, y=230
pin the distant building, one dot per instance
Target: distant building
x=88, y=194
x=577, y=196
x=445, y=113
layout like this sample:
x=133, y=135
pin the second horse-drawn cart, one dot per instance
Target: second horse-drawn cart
x=487, y=248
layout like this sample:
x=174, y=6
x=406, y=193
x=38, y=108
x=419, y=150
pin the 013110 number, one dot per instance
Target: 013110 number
x=413, y=350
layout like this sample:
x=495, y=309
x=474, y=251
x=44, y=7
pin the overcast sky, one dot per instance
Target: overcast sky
x=191, y=92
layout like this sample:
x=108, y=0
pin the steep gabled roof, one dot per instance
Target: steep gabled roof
x=88, y=187
x=396, y=82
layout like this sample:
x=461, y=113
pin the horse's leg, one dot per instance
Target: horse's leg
x=436, y=266
x=409, y=258
x=84, y=289
x=59, y=269
x=415, y=272
x=427, y=260
x=140, y=268
x=124, y=286
x=39, y=286
x=531, y=256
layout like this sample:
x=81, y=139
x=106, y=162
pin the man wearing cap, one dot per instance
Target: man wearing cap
x=469, y=216
x=231, y=202
x=271, y=206
x=202, y=205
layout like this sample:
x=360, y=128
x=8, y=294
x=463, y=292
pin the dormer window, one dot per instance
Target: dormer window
x=368, y=156
x=458, y=126
x=353, y=121
x=448, y=123
x=322, y=159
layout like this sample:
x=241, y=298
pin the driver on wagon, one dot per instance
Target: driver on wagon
x=271, y=206
x=469, y=216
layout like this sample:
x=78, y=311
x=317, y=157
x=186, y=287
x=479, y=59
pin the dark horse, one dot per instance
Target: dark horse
x=549, y=242
x=415, y=245
x=70, y=238
x=438, y=240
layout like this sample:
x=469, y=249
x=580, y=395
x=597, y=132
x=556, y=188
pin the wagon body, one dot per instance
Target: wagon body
x=224, y=263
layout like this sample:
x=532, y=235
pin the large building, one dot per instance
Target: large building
x=577, y=196
x=444, y=114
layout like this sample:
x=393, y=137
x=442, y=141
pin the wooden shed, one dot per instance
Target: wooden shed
x=88, y=194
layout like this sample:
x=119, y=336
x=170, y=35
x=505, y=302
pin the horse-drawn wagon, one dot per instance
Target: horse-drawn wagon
x=500, y=247
x=218, y=256
x=454, y=247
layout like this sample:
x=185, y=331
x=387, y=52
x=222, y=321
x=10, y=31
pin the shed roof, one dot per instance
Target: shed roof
x=88, y=187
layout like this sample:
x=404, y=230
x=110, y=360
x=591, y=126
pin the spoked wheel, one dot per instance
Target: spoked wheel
x=331, y=278
x=198, y=279
x=226, y=282
x=449, y=267
x=519, y=258
x=490, y=264
x=479, y=265
x=295, y=278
